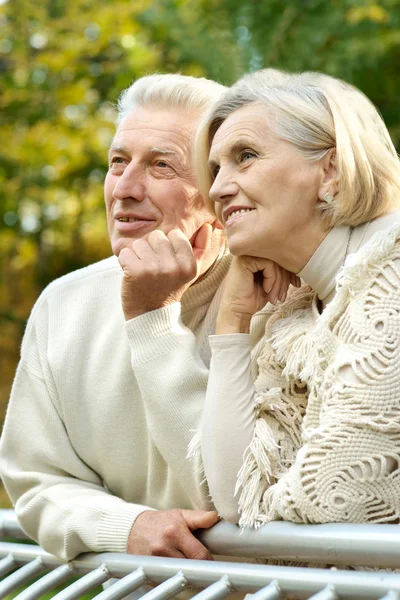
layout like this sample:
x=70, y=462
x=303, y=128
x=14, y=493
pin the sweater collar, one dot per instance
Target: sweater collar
x=322, y=270
x=201, y=292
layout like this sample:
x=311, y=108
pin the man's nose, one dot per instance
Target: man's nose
x=130, y=185
x=224, y=187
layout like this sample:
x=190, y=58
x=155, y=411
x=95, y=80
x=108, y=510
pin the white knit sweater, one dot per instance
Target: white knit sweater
x=316, y=438
x=101, y=411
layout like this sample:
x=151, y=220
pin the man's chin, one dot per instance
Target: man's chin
x=120, y=243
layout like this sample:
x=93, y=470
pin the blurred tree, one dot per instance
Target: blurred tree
x=62, y=66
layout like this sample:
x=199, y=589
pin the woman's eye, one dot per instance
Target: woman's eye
x=246, y=155
x=214, y=171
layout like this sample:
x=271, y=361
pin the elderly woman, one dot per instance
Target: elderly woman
x=304, y=424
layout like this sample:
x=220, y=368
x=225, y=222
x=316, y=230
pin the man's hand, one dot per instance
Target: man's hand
x=251, y=283
x=158, y=270
x=169, y=533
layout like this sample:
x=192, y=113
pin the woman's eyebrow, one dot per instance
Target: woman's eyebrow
x=236, y=146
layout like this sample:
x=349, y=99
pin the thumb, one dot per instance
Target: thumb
x=200, y=519
x=202, y=241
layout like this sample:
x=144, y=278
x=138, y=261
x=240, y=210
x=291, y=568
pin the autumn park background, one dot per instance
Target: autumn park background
x=62, y=67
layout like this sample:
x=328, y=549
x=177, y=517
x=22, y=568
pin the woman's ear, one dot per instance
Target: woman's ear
x=329, y=176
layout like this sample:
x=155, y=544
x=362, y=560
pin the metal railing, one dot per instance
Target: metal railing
x=363, y=545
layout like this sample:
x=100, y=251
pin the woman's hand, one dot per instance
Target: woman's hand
x=249, y=285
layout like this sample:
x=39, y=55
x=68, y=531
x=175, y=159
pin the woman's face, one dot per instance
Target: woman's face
x=265, y=191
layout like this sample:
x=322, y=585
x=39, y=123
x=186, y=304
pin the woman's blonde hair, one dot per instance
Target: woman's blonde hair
x=317, y=113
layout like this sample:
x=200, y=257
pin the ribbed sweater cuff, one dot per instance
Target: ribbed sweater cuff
x=115, y=526
x=155, y=333
x=227, y=340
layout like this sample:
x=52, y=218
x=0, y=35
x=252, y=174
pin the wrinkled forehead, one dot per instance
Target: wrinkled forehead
x=152, y=127
x=247, y=123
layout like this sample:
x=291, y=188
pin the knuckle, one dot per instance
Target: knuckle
x=169, y=532
x=201, y=554
x=157, y=549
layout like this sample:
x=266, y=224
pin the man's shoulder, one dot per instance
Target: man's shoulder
x=102, y=271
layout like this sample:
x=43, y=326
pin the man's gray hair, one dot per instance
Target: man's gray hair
x=169, y=91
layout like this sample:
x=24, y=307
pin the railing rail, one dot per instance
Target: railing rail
x=21, y=563
x=333, y=544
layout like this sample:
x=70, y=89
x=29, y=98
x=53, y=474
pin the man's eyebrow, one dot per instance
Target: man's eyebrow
x=116, y=148
x=162, y=151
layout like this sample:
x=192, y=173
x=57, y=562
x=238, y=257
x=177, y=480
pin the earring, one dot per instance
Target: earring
x=327, y=198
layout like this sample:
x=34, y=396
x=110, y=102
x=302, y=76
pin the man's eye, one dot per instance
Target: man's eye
x=162, y=164
x=116, y=160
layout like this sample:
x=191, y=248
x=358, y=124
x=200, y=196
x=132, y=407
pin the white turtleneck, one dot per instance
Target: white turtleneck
x=229, y=405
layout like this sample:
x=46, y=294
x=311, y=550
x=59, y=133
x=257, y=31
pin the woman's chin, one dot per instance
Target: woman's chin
x=237, y=249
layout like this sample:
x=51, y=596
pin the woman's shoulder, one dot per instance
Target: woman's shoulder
x=376, y=260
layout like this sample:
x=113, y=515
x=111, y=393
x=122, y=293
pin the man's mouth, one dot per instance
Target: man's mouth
x=130, y=219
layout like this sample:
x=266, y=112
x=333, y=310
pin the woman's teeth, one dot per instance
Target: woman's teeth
x=238, y=212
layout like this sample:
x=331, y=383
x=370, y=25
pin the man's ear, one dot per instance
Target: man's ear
x=329, y=175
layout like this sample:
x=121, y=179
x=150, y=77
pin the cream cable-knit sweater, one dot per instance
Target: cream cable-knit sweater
x=101, y=411
x=320, y=428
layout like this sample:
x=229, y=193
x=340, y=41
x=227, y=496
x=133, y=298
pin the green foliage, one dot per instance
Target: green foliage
x=62, y=67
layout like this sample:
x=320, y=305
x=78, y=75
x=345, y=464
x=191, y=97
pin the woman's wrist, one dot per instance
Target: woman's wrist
x=231, y=322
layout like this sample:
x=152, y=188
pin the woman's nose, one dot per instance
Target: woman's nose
x=223, y=188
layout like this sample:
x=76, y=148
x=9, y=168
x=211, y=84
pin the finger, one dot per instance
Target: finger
x=285, y=282
x=269, y=277
x=179, y=242
x=199, y=519
x=192, y=548
x=127, y=257
x=163, y=250
x=169, y=552
x=183, y=254
x=273, y=295
x=202, y=241
x=143, y=250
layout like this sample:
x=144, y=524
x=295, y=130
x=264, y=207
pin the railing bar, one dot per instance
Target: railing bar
x=124, y=586
x=9, y=526
x=391, y=595
x=84, y=585
x=167, y=589
x=328, y=593
x=46, y=583
x=20, y=577
x=271, y=592
x=216, y=591
x=243, y=577
x=7, y=565
x=373, y=545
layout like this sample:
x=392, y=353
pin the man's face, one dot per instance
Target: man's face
x=150, y=182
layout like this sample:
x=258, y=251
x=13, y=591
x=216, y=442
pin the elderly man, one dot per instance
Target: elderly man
x=114, y=362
